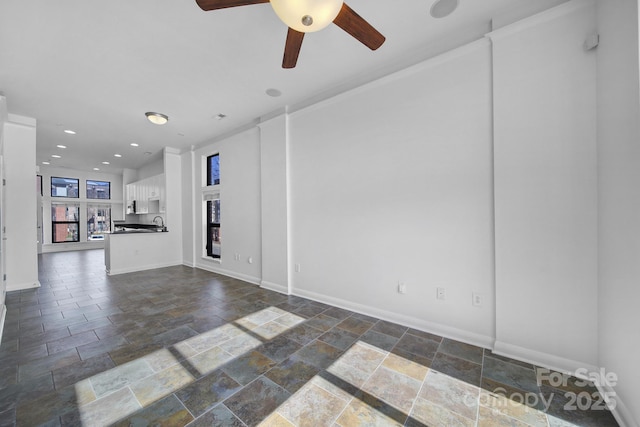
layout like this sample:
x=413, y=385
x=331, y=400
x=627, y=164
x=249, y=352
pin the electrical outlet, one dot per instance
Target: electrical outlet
x=402, y=288
x=440, y=293
x=237, y=257
x=297, y=267
x=250, y=260
x=476, y=300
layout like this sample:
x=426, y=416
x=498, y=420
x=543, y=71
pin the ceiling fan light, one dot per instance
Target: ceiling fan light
x=307, y=16
x=157, y=118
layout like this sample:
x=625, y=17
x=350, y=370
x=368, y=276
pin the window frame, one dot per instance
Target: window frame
x=70, y=179
x=76, y=222
x=213, y=230
x=87, y=181
x=209, y=158
x=106, y=222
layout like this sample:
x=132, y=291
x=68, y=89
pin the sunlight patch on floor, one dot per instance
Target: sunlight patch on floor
x=121, y=391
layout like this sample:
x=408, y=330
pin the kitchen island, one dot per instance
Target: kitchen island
x=130, y=249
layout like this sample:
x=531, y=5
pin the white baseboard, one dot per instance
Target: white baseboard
x=229, y=273
x=75, y=246
x=274, y=287
x=410, y=321
x=538, y=358
x=620, y=411
x=11, y=287
x=113, y=272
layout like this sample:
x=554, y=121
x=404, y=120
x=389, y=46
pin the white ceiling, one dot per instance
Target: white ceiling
x=97, y=67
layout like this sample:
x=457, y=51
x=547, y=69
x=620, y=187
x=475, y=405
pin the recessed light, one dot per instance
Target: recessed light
x=105, y=163
x=273, y=92
x=133, y=144
x=96, y=169
x=442, y=8
x=220, y=116
x=117, y=155
x=69, y=131
x=61, y=146
x=46, y=163
x=55, y=156
x=157, y=118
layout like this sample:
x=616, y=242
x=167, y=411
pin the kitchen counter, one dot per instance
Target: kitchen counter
x=129, y=228
x=136, y=249
x=139, y=230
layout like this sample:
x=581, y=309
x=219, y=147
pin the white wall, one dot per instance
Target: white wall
x=240, y=206
x=151, y=169
x=392, y=182
x=619, y=200
x=274, y=197
x=20, y=203
x=116, y=202
x=3, y=283
x=190, y=193
x=172, y=167
x=546, y=188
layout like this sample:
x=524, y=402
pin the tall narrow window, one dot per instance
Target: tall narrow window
x=98, y=221
x=214, y=243
x=65, y=225
x=213, y=228
x=213, y=170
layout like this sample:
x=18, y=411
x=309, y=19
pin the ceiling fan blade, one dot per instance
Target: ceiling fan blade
x=355, y=25
x=221, y=4
x=292, y=48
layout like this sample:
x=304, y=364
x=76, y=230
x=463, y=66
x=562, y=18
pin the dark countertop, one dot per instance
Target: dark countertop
x=129, y=228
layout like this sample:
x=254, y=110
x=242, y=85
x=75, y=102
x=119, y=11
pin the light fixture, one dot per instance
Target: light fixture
x=442, y=8
x=133, y=144
x=96, y=169
x=61, y=146
x=105, y=163
x=307, y=16
x=55, y=156
x=46, y=163
x=69, y=131
x=157, y=118
x=117, y=155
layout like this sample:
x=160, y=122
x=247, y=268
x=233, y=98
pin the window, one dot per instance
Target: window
x=213, y=170
x=98, y=189
x=213, y=228
x=65, y=226
x=213, y=208
x=64, y=187
x=98, y=221
x=39, y=184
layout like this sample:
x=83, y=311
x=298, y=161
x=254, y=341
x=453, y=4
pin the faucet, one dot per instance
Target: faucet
x=161, y=221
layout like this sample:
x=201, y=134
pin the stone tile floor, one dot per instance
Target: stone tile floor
x=180, y=346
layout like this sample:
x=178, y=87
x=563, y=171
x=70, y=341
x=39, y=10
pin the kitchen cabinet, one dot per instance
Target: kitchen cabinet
x=149, y=195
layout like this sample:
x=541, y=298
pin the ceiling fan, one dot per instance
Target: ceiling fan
x=303, y=16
